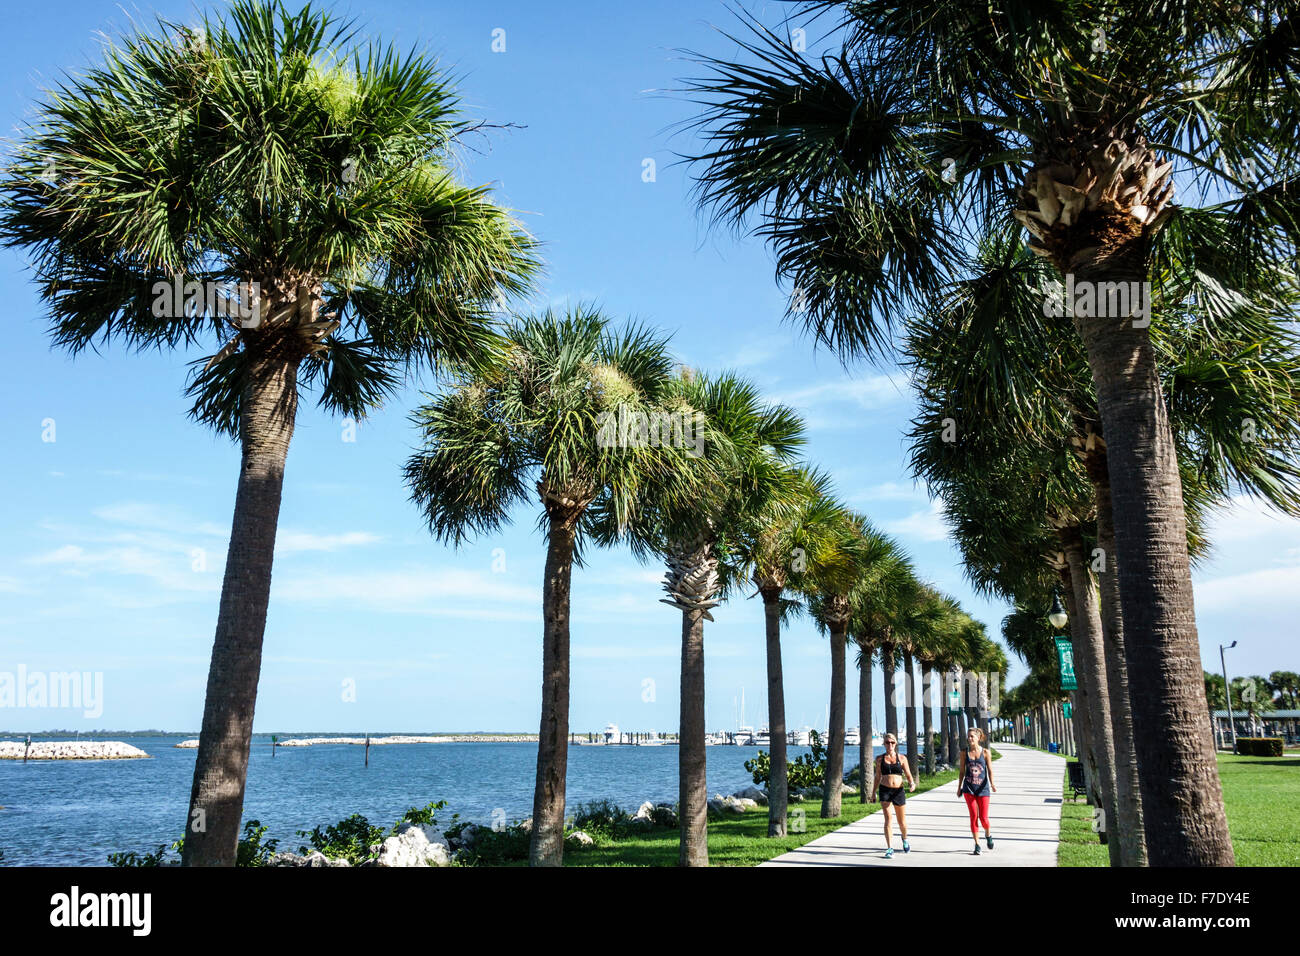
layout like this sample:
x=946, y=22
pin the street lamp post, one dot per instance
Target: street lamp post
x=1057, y=615
x=1227, y=693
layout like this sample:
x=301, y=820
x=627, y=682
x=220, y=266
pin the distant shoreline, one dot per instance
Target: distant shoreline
x=392, y=740
x=284, y=735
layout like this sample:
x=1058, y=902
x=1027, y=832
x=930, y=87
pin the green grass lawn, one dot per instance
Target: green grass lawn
x=1261, y=796
x=736, y=840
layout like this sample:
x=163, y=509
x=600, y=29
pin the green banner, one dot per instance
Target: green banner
x=954, y=701
x=1067, y=711
x=1065, y=652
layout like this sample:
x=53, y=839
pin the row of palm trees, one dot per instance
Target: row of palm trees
x=729, y=511
x=946, y=169
x=271, y=152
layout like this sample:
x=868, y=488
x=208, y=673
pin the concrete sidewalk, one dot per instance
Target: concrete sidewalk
x=1025, y=815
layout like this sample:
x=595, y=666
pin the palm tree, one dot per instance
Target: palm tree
x=981, y=349
x=866, y=751
x=875, y=168
x=918, y=618
x=548, y=418
x=888, y=587
x=743, y=470
x=930, y=646
x=264, y=181
x=769, y=547
x=834, y=572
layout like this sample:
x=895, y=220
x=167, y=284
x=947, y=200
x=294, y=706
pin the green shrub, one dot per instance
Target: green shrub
x=352, y=838
x=664, y=817
x=1259, y=746
x=808, y=770
x=131, y=858
x=600, y=816
x=252, y=851
x=349, y=839
x=492, y=847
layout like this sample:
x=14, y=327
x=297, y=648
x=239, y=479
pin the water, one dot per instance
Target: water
x=76, y=812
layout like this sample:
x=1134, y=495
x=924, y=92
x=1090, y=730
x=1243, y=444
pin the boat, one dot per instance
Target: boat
x=745, y=736
x=612, y=734
x=762, y=739
x=800, y=738
x=652, y=741
x=852, y=737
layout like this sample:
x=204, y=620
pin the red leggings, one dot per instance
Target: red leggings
x=979, y=812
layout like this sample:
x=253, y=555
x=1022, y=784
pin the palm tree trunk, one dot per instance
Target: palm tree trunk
x=927, y=701
x=946, y=742
x=1090, y=668
x=1084, y=740
x=693, y=787
x=1182, y=800
x=270, y=405
x=1128, y=791
x=866, y=752
x=831, y=794
x=778, y=783
x=909, y=689
x=888, y=665
x=546, y=844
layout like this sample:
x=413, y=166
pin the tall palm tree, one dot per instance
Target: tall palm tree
x=888, y=587
x=866, y=751
x=834, y=573
x=267, y=183
x=742, y=462
x=918, y=619
x=930, y=646
x=547, y=419
x=769, y=548
x=875, y=168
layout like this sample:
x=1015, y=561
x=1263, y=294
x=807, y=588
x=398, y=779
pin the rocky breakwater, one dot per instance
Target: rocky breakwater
x=70, y=750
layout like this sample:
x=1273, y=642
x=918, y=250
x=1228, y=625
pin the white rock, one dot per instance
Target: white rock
x=414, y=845
x=752, y=793
x=579, y=838
x=721, y=804
x=644, y=811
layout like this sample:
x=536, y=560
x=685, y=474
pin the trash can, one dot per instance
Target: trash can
x=1053, y=747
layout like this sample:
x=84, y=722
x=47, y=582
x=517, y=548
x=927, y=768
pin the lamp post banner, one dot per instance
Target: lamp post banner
x=1065, y=651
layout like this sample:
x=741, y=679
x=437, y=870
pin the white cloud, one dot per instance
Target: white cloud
x=927, y=525
x=172, y=569
x=158, y=518
x=870, y=393
x=287, y=542
x=441, y=592
x=1266, y=588
x=1250, y=519
x=890, y=491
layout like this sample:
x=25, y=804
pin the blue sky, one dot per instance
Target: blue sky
x=113, y=538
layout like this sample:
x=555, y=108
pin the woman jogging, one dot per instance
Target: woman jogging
x=891, y=768
x=975, y=774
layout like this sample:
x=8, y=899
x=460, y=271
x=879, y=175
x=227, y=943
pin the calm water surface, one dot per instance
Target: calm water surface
x=76, y=812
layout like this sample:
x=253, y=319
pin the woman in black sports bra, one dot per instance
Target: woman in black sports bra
x=891, y=768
